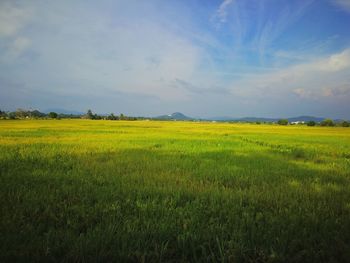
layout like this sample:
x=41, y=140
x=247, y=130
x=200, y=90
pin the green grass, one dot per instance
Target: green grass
x=87, y=191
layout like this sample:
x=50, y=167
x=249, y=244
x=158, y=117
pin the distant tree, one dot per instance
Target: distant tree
x=21, y=113
x=112, y=117
x=3, y=114
x=12, y=115
x=327, y=122
x=89, y=114
x=345, y=124
x=283, y=122
x=96, y=117
x=121, y=117
x=311, y=123
x=53, y=115
x=37, y=114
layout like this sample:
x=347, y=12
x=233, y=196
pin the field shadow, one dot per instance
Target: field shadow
x=161, y=205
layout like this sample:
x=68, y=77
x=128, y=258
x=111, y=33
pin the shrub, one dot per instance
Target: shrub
x=89, y=115
x=298, y=153
x=283, y=122
x=12, y=115
x=327, y=122
x=53, y=115
x=345, y=124
x=311, y=123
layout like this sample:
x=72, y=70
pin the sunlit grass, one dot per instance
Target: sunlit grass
x=80, y=190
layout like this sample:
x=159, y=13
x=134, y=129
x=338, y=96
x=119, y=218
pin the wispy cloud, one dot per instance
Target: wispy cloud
x=256, y=25
x=222, y=11
x=270, y=28
x=182, y=84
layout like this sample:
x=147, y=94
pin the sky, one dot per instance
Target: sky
x=204, y=58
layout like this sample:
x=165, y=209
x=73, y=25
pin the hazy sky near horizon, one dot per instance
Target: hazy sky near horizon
x=205, y=58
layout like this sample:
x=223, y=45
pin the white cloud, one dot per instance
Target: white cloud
x=344, y=4
x=302, y=93
x=12, y=19
x=92, y=54
x=338, y=91
x=334, y=63
x=326, y=77
x=18, y=46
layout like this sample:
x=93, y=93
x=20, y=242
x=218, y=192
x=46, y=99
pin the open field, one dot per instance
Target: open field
x=80, y=190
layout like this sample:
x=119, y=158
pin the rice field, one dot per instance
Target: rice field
x=147, y=191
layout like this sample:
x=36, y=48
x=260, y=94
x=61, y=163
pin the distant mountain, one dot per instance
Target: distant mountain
x=181, y=116
x=292, y=119
x=221, y=118
x=174, y=116
x=258, y=119
x=245, y=119
x=305, y=119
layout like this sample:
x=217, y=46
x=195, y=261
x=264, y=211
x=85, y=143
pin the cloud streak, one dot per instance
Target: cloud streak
x=199, y=90
x=222, y=12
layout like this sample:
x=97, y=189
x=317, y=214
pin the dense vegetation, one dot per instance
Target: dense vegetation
x=144, y=191
x=283, y=122
x=35, y=114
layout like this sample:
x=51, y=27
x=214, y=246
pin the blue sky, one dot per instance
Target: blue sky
x=271, y=58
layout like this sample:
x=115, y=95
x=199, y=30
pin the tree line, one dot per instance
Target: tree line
x=90, y=115
x=35, y=114
x=325, y=123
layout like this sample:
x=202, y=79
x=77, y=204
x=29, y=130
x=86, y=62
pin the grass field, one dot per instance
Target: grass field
x=144, y=191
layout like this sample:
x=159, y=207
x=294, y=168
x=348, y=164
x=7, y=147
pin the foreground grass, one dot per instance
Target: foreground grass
x=79, y=190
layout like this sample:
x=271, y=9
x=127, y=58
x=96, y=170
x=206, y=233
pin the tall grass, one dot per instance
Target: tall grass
x=80, y=190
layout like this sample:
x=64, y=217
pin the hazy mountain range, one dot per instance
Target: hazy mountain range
x=175, y=116
x=182, y=117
